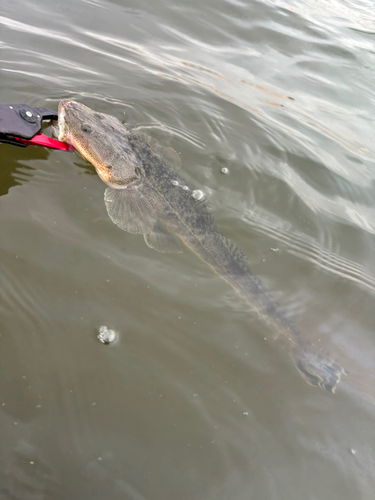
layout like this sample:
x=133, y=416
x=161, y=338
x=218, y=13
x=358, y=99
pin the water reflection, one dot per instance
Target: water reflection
x=13, y=171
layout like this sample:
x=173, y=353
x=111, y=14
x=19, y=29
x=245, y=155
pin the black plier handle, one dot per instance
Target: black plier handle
x=21, y=125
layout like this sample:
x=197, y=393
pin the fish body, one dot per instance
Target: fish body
x=147, y=196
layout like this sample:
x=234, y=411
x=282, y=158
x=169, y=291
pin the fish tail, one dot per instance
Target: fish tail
x=231, y=264
x=317, y=369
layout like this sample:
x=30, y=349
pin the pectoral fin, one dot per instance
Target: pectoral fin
x=162, y=241
x=130, y=210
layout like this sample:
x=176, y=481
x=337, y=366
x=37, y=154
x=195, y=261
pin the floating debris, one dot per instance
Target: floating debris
x=197, y=194
x=225, y=170
x=106, y=336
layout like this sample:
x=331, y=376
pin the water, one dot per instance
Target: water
x=192, y=400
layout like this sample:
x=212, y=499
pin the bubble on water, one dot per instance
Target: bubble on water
x=197, y=194
x=106, y=336
x=224, y=170
x=185, y=188
x=175, y=183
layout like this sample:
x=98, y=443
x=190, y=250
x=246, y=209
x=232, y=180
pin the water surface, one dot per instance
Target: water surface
x=193, y=400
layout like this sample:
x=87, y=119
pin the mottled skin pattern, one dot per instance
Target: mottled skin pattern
x=147, y=196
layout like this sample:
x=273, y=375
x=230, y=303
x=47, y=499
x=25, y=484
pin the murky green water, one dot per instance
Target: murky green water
x=192, y=401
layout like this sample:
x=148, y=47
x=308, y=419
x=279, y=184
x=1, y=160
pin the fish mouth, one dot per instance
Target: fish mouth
x=64, y=103
x=54, y=124
x=59, y=127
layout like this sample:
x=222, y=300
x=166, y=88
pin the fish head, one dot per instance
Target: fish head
x=102, y=140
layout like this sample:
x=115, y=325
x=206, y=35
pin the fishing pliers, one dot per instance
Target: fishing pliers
x=21, y=125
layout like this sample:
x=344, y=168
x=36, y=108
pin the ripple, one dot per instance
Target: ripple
x=307, y=248
x=352, y=13
x=26, y=297
x=187, y=135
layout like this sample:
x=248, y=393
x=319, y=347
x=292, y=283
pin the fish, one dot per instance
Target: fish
x=146, y=195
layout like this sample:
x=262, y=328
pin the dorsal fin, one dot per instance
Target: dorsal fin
x=205, y=215
x=166, y=153
x=236, y=254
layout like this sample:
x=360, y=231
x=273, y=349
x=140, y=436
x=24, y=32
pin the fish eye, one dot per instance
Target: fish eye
x=86, y=128
x=109, y=167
